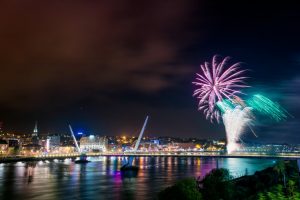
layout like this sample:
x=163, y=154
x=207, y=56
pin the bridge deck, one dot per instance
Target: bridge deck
x=178, y=154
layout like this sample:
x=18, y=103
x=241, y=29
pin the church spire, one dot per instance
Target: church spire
x=35, y=130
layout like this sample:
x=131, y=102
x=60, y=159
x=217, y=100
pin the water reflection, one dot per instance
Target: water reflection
x=128, y=174
x=102, y=178
x=29, y=172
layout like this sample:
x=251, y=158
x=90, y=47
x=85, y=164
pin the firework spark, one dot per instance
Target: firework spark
x=267, y=107
x=235, y=121
x=225, y=105
x=215, y=83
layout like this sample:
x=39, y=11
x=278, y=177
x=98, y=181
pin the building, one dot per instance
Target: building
x=186, y=146
x=66, y=149
x=35, y=137
x=30, y=149
x=13, y=142
x=3, y=147
x=93, y=143
x=52, y=142
x=25, y=139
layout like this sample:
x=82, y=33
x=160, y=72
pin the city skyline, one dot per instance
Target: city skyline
x=106, y=70
x=170, y=99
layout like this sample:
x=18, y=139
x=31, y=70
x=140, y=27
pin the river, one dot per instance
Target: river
x=102, y=179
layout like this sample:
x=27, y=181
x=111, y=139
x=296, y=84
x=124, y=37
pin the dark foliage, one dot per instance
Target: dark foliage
x=216, y=185
x=278, y=182
x=183, y=190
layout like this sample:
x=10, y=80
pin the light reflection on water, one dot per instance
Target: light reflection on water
x=102, y=179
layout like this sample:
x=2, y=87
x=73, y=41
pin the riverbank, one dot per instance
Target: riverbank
x=278, y=182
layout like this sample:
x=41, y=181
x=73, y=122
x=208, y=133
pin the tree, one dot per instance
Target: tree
x=280, y=169
x=183, y=190
x=216, y=185
x=277, y=192
x=261, y=196
x=291, y=188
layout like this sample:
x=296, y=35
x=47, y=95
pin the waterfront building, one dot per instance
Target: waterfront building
x=186, y=146
x=66, y=149
x=52, y=142
x=93, y=143
x=13, y=142
x=30, y=149
x=3, y=147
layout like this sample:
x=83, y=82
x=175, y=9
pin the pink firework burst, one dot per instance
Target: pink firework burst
x=215, y=82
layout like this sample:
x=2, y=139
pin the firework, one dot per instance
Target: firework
x=225, y=105
x=215, y=83
x=267, y=107
x=235, y=121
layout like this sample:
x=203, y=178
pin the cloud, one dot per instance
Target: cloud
x=69, y=48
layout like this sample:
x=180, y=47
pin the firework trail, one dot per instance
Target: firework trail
x=235, y=121
x=218, y=87
x=216, y=82
x=267, y=107
x=225, y=105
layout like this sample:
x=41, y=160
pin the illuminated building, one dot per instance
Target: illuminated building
x=66, y=149
x=35, y=137
x=52, y=142
x=3, y=146
x=93, y=143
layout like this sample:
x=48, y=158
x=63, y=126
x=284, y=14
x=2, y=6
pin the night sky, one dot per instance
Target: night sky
x=104, y=65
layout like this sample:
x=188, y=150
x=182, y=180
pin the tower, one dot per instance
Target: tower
x=35, y=138
x=35, y=130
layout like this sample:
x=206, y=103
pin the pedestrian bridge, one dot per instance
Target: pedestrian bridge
x=167, y=154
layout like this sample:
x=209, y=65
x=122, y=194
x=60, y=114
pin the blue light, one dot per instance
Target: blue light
x=79, y=133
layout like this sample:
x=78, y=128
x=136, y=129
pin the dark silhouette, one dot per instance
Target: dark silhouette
x=184, y=189
x=278, y=182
